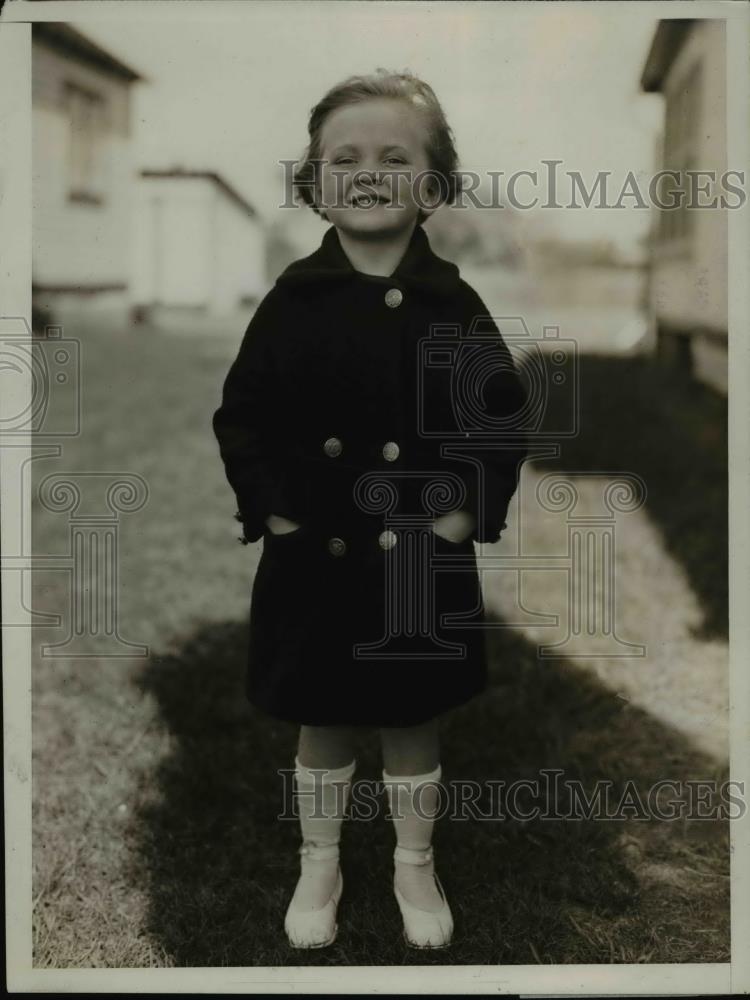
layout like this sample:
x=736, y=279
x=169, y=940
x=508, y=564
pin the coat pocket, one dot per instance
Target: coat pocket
x=296, y=556
x=448, y=545
x=273, y=541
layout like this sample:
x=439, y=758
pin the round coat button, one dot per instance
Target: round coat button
x=393, y=298
x=333, y=447
x=390, y=451
x=387, y=539
x=336, y=546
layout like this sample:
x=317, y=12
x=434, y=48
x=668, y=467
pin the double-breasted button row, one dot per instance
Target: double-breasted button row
x=386, y=540
x=333, y=448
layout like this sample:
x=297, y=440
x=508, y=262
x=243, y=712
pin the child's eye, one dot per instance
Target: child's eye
x=395, y=159
x=343, y=159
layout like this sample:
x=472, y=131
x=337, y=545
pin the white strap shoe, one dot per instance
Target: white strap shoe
x=423, y=928
x=306, y=928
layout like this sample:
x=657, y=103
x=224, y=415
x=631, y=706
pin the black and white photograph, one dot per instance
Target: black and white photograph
x=375, y=477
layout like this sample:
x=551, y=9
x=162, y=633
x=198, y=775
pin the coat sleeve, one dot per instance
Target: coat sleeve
x=242, y=424
x=506, y=444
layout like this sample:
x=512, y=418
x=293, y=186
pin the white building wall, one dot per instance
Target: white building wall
x=173, y=234
x=690, y=283
x=76, y=243
x=193, y=247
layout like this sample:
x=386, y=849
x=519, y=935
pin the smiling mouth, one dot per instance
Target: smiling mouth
x=368, y=201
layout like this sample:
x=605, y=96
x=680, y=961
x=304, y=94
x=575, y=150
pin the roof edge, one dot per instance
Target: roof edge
x=209, y=175
x=59, y=35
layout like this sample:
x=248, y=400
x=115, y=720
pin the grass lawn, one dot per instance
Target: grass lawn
x=155, y=784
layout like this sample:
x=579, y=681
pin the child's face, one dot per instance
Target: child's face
x=378, y=135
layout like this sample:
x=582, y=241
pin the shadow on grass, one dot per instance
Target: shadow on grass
x=220, y=868
x=639, y=416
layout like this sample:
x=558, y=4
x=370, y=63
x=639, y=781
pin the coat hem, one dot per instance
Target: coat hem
x=402, y=723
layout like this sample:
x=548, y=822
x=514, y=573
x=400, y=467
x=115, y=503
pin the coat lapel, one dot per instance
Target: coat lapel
x=419, y=268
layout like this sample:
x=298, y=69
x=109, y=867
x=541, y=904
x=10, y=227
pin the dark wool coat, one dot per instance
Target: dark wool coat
x=364, y=407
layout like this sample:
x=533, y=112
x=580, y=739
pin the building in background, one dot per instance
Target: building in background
x=688, y=284
x=83, y=177
x=199, y=246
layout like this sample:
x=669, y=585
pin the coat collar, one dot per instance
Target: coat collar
x=419, y=268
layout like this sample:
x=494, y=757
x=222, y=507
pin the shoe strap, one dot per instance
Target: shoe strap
x=319, y=852
x=410, y=856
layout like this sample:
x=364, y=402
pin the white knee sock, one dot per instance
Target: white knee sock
x=413, y=801
x=322, y=796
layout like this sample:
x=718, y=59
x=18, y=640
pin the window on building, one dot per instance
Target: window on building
x=86, y=116
x=681, y=133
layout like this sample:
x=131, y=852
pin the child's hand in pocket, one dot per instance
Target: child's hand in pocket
x=280, y=525
x=456, y=526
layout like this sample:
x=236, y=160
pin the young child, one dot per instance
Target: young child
x=366, y=428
